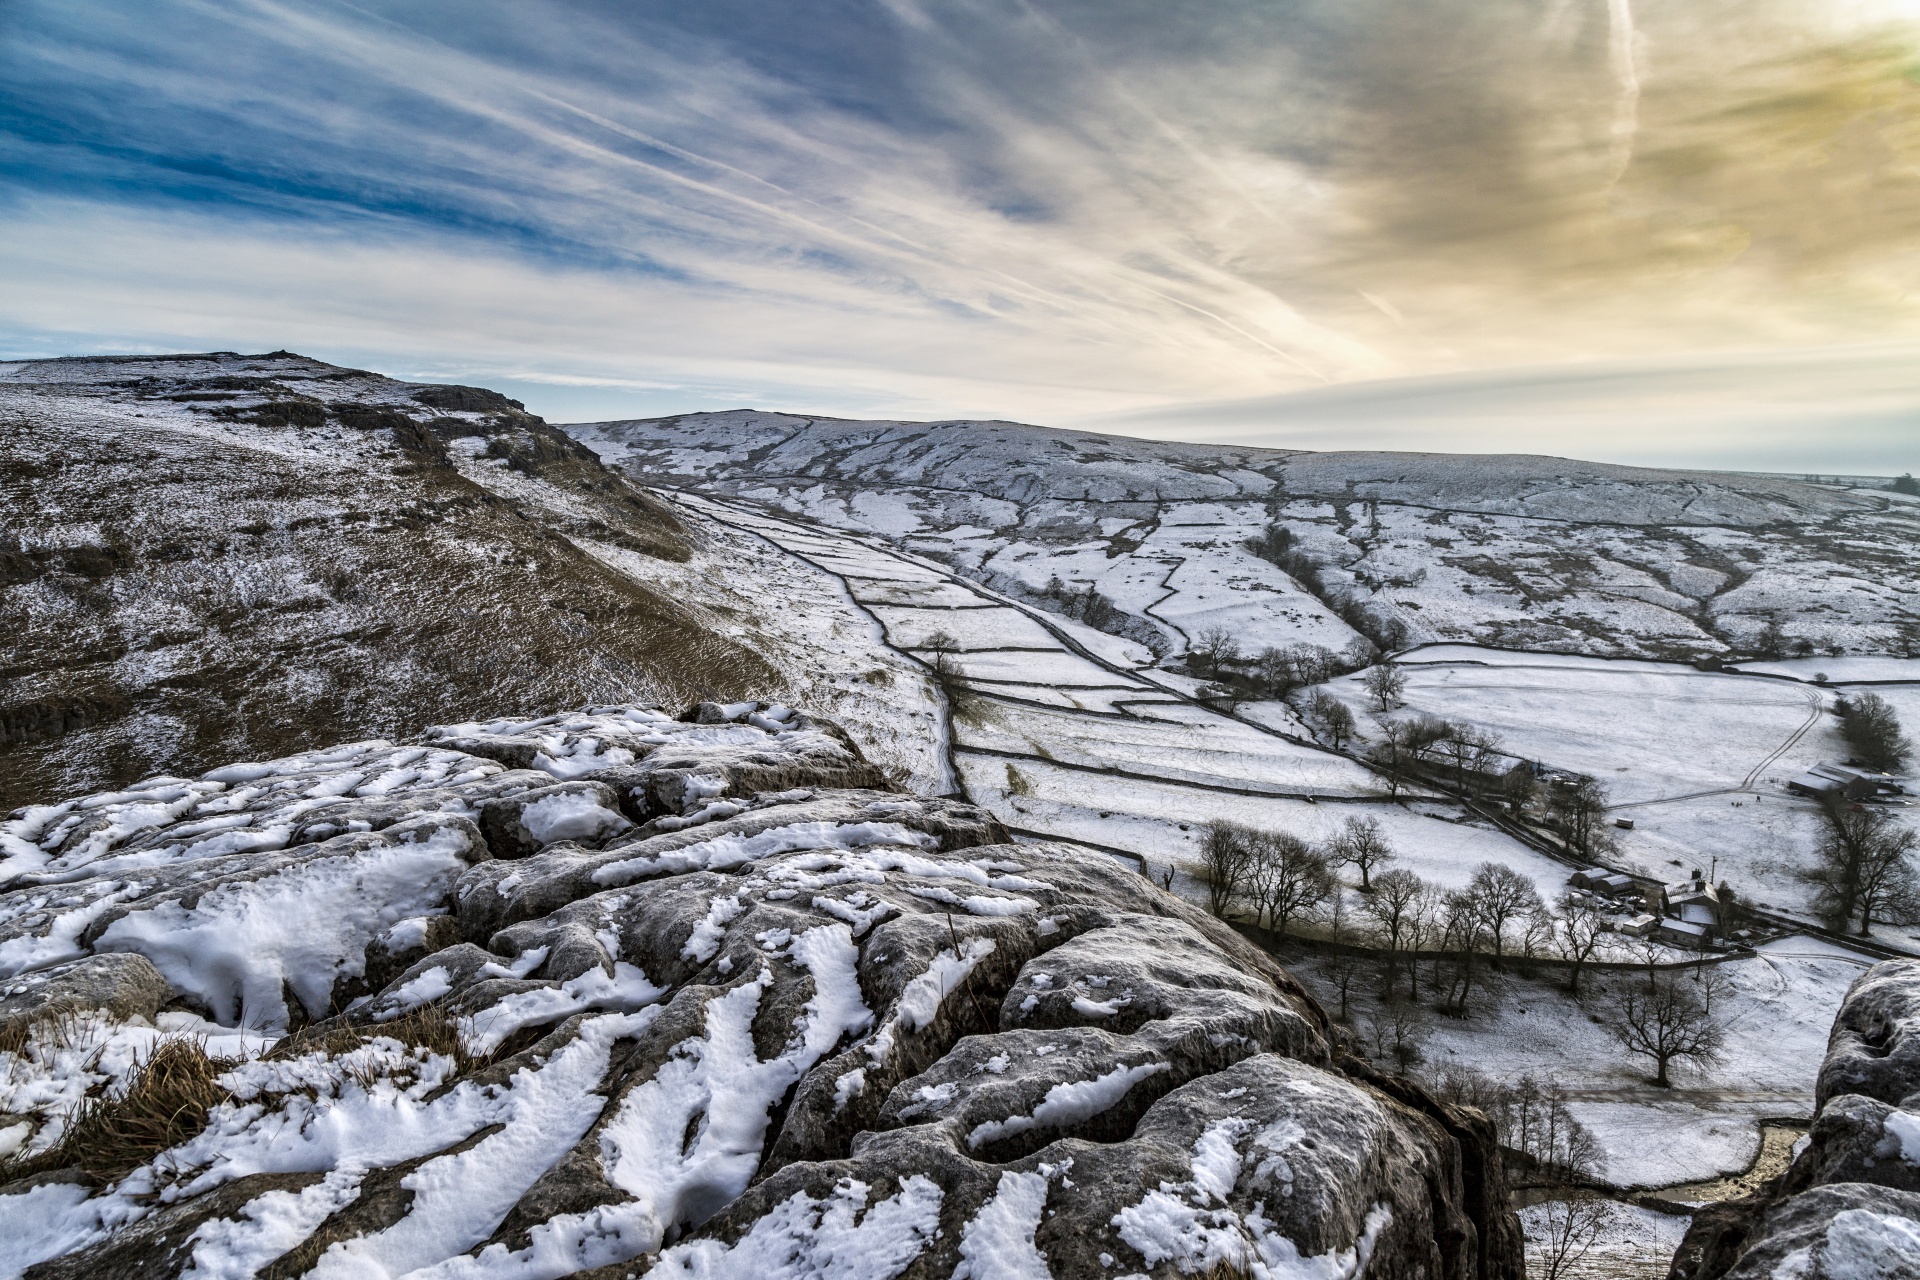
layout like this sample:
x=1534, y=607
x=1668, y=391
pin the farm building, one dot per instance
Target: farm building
x=1844, y=782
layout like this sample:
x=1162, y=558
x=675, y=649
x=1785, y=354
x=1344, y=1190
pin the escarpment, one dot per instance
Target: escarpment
x=624, y=993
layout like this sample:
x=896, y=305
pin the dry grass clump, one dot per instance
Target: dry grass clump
x=171, y=1095
x=167, y=1102
x=427, y=1027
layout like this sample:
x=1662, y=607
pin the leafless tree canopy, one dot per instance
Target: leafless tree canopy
x=1226, y=857
x=1214, y=648
x=1580, y=805
x=1334, y=717
x=1289, y=878
x=1578, y=932
x=1864, y=869
x=1499, y=895
x=1386, y=684
x=1569, y=1227
x=1362, y=843
x=1665, y=1019
x=1872, y=730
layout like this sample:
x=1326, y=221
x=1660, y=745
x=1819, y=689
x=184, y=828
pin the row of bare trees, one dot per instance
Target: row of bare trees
x=1547, y=1149
x=1282, y=877
x=1269, y=673
x=1459, y=937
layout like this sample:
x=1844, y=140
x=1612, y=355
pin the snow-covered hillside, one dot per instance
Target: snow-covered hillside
x=1522, y=552
x=633, y=917
x=204, y=557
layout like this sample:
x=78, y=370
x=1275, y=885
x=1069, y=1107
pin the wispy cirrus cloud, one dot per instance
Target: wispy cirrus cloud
x=1032, y=208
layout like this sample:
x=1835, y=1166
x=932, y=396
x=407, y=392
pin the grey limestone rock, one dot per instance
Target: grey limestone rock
x=720, y=1000
x=123, y=987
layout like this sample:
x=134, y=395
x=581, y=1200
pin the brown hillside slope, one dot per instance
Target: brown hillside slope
x=204, y=557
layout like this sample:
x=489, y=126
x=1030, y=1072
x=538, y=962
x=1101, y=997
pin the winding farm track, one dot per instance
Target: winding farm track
x=1748, y=785
x=1814, y=709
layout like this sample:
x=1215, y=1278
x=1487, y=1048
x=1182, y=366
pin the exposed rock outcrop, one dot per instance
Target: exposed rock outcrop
x=1848, y=1208
x=622, y=993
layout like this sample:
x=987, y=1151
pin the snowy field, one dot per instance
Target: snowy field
x=1698, y=760
x=1633, y=1243
x=1163, y=821
x=1058, y=738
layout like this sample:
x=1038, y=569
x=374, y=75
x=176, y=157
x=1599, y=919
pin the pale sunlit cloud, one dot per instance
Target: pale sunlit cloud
x=1030, y=209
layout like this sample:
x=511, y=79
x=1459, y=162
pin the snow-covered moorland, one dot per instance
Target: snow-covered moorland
x=734, y=991
x=212, y=557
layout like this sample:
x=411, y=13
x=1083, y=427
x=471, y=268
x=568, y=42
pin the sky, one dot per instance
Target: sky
x=1680, y=232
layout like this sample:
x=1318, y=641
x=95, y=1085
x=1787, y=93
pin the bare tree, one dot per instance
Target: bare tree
x=1393, y=754
x=1426, y=924
x=1226, y=856
x=1289, y=878
x=1397, y=1031
x=1581, y=926
x=1501, y=895
x=1362, y=843
x=1580, y=805
x=1395, y=897
x=1538, y=930
x=1463, y=926
x=1864, y=866
x=1467, y=751
x=1313, y=663
x=1871, y=728
x=1566, y=1230
x=1532, y=1120
x=1281, y=671
x=1528, y=1117
x=1275, y=673
x=1335, y=718
x=1518, y=788
x=1386, y=684
x=1666, y=1021
x=1214, y=648
x=1343, y=961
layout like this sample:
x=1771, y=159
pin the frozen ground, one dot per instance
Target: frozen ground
x=1633, y=1243
x=206, y=557
x=1058, y=739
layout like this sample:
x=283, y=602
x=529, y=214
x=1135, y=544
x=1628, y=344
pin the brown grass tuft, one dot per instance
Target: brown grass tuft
x=427, y=1027
x=60, y=1021
x=166, y=1103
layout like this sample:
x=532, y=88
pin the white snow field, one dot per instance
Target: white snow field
x=1779, y=1014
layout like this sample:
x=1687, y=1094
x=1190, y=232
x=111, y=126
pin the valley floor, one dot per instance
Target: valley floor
x=1066, y=732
